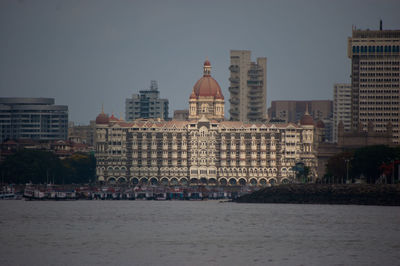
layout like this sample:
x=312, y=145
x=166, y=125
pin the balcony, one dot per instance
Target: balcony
x=234, y=89
x=254, y=115
x=234, y=101
x=254, y=83
x=234, y=68
x=234, y=80
x=234, y=112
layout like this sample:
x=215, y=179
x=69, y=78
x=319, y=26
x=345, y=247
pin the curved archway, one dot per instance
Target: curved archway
x=174, y=181
x=253, y=182
x=164, y=181
x=111, y=180
x=223, y=181
x=263, y=182
x=134, y=181
x=285, y=181
x=194, y=181
x=144, y=181
x=242, y=181
x=232, y=182
x=183, y=181
x=272, y=181
x=154, y=181
x=212, y=181
x=203, y=181
x=122, y=180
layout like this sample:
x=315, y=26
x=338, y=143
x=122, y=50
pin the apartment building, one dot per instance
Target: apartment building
x=248, y=87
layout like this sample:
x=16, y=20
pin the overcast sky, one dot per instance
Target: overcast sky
x=84, y=53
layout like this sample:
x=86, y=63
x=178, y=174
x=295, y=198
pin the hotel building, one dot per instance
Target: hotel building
x=204, y=149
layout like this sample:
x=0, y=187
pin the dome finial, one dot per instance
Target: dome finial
x=207, y=68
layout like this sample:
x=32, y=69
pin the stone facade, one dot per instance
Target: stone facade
x=202, y=152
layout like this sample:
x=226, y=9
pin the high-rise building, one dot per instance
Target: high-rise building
x=32, y=118
x=146, y=104
x=248, y=87
x=341, y=108
x=375, y=70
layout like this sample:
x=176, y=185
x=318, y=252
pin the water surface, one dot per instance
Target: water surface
x=196, y=233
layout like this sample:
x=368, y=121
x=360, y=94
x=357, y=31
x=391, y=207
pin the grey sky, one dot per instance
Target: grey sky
x=84, y=53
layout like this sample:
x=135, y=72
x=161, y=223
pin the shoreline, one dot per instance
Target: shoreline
x=346, y=194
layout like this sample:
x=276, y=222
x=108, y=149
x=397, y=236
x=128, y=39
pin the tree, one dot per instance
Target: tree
x=338, y=166
x=80, y=168
x=368, y=160
x=39, y=166
x=34, y=166
x=302, y=172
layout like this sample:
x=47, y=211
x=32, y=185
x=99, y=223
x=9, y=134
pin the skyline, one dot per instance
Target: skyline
x=87, y=53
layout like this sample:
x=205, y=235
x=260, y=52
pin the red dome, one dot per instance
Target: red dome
x=102, y=118
x=307, y=120
x=206, y=87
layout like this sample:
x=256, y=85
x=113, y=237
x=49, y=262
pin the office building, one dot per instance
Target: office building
x=146, y=104
x=375, y=70
x=248, y=87
x=32, y=118
x=341, y=108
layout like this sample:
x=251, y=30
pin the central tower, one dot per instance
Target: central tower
x=206, y=98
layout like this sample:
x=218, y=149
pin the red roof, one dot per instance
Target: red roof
x=102, y=118
x=307, y=120
x=207, y=86
x=113, y=118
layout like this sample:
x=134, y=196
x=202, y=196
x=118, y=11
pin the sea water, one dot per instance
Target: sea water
x=196, y=233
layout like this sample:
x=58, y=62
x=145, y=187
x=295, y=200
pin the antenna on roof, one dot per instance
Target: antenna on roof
x=153, y=85
x=380, y=24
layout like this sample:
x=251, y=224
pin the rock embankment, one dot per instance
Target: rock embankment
x=361, y=194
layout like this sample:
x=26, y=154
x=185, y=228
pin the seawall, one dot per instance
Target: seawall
x=359, y=194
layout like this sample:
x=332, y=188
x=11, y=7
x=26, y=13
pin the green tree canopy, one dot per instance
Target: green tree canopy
x=39, y=166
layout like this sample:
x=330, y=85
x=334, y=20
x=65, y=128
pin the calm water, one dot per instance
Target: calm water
x=196, y=233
